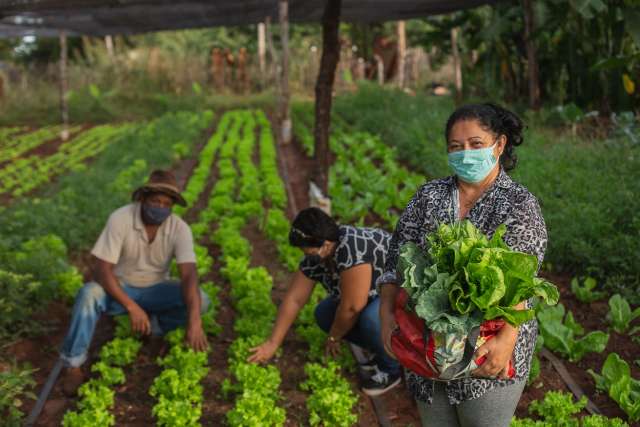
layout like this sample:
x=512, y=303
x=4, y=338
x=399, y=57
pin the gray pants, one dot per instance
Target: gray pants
x=495, y=408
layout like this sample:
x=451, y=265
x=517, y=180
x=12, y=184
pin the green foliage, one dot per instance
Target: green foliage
x=96, y=401
x=558, y=409
x=366, y=178
x=620, y=315
x=562, y=172
x=120, y=351
x=252, y=408
x=109, y=375
x=331, y=401
x=466, y=277
x=178, y=388
x=13, y=147
x=75, y=211
x=276, y=227
x=16, y=383
x=16, y=301
x=616, y=380
x=562, y=334
x=585, y=292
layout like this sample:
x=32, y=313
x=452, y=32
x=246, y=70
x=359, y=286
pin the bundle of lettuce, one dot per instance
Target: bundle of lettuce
x=465, y=280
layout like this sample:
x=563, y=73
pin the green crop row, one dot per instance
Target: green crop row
x=7, y=133
x=177, y=389
x=256, y=387
x=96, y=395
x=13, y=147
x=331, y=399
x=24, y=175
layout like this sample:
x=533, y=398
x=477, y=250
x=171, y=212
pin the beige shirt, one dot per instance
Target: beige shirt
x=124, y=242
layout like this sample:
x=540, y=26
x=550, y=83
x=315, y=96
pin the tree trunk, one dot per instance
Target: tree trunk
x=402, y=53
x=64, y=85
x=457, y=65
x=324, y=89
x=532, y=60
x=285, y=113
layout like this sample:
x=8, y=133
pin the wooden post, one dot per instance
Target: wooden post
x=402, y=51
x=324, y=89
x=108, y=42
x=64, y=85
x=532, y=61
x=457, y=65
x=285, y=113
x=261, y=47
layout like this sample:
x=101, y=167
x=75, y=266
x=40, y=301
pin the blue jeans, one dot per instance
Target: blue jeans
x=162, y=302
x=365, y=333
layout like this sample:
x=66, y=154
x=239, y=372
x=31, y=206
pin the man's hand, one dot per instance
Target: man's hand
x=196, y=338
x=332, y=347
x=498, y=351
x=139, y=320
x=263, y=352
x=387, y=326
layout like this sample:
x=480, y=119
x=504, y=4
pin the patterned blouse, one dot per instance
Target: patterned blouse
x=356, y=246
x=505, y=202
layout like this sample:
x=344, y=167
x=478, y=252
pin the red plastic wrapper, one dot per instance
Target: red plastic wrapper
x=417, y=348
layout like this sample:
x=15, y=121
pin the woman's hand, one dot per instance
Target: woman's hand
x=498, y=352
x=263, y=352
x=332, y=347
x=387, y=326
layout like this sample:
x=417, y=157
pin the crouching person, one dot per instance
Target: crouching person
x=347, y=261
x=132, y=259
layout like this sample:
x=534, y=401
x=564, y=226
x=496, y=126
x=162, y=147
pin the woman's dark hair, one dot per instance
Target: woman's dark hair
x=496, y=119
x=311, y=227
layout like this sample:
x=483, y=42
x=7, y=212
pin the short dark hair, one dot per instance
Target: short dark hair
x=496, y=119
x=311, y=227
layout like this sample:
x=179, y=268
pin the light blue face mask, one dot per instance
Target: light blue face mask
x=473, y=165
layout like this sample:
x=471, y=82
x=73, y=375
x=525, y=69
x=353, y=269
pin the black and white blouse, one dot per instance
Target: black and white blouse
x=356, y=245
x=505, y=202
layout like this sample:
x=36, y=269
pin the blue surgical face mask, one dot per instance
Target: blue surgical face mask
x=473, y=165
x=154, y=215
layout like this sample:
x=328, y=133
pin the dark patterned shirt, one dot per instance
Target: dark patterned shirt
x=505, y=202
x=356, y=246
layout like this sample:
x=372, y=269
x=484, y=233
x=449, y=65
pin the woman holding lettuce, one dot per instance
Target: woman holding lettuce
x=480, y=144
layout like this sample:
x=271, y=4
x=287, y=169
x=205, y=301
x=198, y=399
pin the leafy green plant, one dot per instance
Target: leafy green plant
x=616, y=380
x=561, y=334
x=177, y=388
x=620, y=315
x=465, y=278
x=331, y=401
x=120, y=351
x=559, y=409
x=16, y=383
x=585, y=292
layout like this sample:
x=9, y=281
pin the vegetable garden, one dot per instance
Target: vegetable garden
x=235, y=177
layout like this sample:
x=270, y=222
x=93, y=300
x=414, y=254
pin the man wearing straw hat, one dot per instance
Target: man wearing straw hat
x=132, y=259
